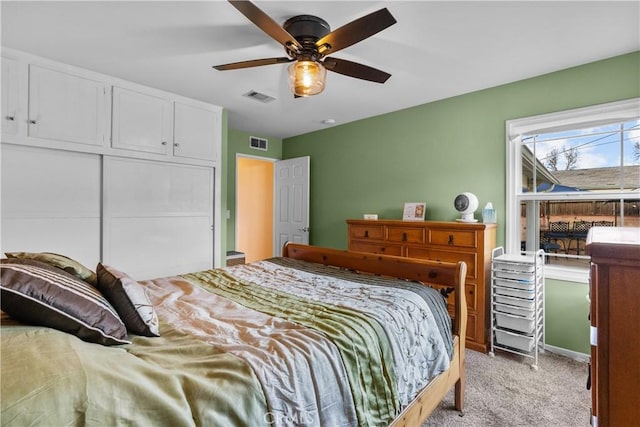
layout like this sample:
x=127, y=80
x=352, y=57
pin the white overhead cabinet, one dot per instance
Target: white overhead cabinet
x=154, y=124
x=103, y=169
x=141, y=122
x=196, y=131
x=10, y=93
x=64, y=106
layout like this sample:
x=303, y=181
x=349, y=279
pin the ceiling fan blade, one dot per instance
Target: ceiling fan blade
x=252, y=63
x=353, y=69
x=355, y=31
x=266, y=24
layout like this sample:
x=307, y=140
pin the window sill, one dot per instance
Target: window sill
x=568, y=274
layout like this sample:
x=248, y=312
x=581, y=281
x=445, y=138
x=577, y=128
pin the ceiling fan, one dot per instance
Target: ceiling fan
x=307, y=41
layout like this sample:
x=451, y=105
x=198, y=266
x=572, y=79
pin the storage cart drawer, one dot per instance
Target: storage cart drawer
x=512, y=266
x=517, y=293
x=514, y=275
x=518, y=302
x=513, y=340
x=516, y=323
x=511, y=309
x=516, y=284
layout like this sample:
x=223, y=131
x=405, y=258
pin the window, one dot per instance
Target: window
x=570, y=171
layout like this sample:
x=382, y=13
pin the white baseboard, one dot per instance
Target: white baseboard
x=580, y=357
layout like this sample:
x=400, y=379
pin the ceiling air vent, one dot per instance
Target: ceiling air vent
x=258, y=143
x=260, y=97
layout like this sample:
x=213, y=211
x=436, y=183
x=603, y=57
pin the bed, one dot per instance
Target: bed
x=316, y=337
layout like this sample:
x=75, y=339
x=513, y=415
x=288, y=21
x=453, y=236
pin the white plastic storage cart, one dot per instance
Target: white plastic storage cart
x=517, y=303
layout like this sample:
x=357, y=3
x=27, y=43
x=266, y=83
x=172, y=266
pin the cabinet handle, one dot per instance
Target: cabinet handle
x=33, y=122
x=450, y=242
x=164, y=142
x=175, y=144
x=404, y=237
x=12, y=118
x=366, y=233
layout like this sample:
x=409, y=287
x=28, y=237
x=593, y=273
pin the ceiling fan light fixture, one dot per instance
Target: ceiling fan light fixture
x=307, y=78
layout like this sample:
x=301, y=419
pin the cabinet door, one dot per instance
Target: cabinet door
x=66, y=107
x=141, y=122
x=10, y=91
x=196, y=132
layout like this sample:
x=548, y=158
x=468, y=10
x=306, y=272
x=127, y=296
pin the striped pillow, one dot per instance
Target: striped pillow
x=37, y=293
x=129, y=298
x=65, y=263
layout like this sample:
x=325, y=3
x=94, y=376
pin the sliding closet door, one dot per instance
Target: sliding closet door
x=51, y=202
x=158, y=217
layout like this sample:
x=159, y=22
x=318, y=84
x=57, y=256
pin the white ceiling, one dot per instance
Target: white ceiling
x=438, y=49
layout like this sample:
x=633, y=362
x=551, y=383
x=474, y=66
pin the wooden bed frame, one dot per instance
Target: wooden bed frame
x=432, y=273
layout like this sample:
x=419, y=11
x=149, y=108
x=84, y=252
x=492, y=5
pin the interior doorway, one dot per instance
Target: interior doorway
x=254, y=207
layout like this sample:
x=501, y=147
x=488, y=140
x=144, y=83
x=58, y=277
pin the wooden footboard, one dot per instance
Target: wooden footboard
x=431, y=273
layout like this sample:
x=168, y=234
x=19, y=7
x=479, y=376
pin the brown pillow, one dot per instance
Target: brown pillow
x=37, y=293
x=129, y=299
x=60, y=261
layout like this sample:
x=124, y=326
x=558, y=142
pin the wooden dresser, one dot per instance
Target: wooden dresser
x=442, y=241
x=615, y=325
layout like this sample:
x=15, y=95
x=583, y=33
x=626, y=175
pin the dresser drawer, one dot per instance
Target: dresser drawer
x=465, y=239
x=471, y=259
x=406, y=234
x=373, y=231
x=375, y=248
x=472, y=333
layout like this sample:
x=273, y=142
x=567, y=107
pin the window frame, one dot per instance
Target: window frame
x=590, y=116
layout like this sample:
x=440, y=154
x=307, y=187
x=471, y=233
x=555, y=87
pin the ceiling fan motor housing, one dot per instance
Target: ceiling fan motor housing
x=307, y=29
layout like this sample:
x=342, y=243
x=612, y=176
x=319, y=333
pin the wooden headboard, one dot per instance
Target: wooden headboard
x=433, y=273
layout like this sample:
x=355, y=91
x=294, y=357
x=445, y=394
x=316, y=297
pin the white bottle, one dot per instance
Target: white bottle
x=489, y=214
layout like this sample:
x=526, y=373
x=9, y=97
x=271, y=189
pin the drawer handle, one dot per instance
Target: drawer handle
x=450, y=242
x=10, y=118
x=366, y=233
x=404, y=237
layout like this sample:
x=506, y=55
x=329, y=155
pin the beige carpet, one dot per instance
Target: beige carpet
x=504, y=391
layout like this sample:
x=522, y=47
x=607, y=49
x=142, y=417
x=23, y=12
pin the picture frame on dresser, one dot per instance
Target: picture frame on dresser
x=413, y=211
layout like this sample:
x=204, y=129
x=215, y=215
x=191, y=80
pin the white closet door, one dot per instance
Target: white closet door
x=158, y=217
x=51, y=202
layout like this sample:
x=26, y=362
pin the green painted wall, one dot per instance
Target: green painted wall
x=566, y=315
x=434, y=151
x=238, y=143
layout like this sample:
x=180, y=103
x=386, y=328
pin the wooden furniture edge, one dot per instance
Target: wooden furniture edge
x=428, y=272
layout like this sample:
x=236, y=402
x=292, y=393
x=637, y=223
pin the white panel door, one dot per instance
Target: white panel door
x=66, y=107
x=291, y=205
x=158, y=217
x=51, y=202
x=10, y=92
x=141, y=122
x=196, y=132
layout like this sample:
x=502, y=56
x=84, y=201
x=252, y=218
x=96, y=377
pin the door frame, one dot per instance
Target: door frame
x=254, y=157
